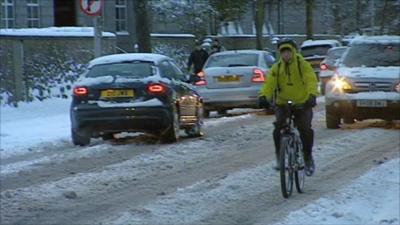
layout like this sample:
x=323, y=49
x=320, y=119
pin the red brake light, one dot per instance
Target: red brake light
x=397, y=87
x=201, y=80
x=323, y=66
x=156, y=88
x=258, y=76
x=81, y=91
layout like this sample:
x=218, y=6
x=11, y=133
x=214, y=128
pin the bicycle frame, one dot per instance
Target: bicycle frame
x=291, y=150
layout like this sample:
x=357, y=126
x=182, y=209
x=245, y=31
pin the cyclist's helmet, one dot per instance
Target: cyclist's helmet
x=287, y=41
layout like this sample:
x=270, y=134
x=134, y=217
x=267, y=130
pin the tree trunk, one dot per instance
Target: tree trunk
x=309, y=18
x=142, y=25
x=337, y=18
x=259, y=23
x=382, y=27
x=358, y=16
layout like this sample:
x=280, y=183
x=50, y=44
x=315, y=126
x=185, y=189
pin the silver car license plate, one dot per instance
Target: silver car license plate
x=372, y=103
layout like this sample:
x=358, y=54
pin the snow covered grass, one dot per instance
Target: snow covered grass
x=32, y=124
x=371, y=199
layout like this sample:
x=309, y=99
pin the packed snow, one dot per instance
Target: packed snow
x=371, y=199
x=54, y=31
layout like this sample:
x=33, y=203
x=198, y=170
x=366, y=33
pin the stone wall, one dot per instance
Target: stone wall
x=33, y=67
x=46, y=62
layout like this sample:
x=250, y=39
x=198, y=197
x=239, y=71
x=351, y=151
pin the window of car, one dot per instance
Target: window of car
x=178, y=72
x=269, y=59
x=168, y=70
x=315, y=50
x=333, y=55
x=372, y=55
x=134, y=69
x=232, y=60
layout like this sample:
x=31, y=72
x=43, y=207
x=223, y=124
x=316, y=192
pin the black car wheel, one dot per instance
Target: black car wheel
x=206, y=113
x=79, y=139
x=108, y=136
x=332, y=119
x=172, y=133
x=322, y=88
x=348, y=120
x=197, y=129
x=222, y=112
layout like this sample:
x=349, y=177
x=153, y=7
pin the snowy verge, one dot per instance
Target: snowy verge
x=371, y=199
x=33, y=123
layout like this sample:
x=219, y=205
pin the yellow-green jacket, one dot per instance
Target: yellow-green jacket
x=294, y=80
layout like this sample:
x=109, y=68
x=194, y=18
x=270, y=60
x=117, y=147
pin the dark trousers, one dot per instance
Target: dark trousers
x=303, y=118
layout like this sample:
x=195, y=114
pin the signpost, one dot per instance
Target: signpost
x=94, y=8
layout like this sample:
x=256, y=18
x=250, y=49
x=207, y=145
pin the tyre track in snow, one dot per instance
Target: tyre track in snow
x=252, y=194
x=334, y=170
x=213, y=164
x=58, y=161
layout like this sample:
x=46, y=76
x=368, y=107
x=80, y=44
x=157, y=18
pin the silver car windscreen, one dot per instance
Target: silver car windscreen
x=134, y=69
x=372, y=55
x=233, y=60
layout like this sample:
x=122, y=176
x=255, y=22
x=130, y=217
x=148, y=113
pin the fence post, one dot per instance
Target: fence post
x=18, y=53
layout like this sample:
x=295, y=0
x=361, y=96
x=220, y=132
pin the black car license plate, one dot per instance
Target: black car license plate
x=116, y=93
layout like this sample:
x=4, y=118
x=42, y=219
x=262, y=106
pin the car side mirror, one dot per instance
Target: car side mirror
x=187, y=78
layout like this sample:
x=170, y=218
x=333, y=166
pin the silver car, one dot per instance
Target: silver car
x=232, y=79
x=367, y=82
x=314, y=51
x=327, y=65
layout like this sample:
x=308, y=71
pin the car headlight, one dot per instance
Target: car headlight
x=341, y=85
x=397, y=87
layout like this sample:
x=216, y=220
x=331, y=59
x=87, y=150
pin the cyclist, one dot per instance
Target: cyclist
x=292, y=78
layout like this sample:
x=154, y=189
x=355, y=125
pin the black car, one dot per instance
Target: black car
x=134, y=93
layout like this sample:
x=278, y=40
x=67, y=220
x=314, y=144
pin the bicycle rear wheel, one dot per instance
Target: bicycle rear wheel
x=299, y=174
x=286, y=172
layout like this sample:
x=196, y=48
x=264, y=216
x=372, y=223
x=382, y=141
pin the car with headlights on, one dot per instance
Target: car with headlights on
x=327, y=65
x=138, y=92
x=367, y=82
x=232, y=79
x=314, y=51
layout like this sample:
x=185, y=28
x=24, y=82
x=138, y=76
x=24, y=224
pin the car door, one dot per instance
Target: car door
x=185, y=95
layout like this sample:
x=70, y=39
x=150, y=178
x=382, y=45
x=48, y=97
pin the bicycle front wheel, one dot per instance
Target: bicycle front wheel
x=286, y=172
x=299, y=174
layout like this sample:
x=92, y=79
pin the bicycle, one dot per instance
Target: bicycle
x=291, y=155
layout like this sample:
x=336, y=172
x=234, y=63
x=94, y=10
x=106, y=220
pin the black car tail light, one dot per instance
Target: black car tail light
x=81, y=91
x=156, y=89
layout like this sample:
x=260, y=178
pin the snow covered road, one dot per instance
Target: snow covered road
x=225, y=177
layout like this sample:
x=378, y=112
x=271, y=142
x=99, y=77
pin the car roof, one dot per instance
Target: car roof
x=383, y=39
x=241, y=51
x=115, y=58
x=309, y=43
x=337, y=48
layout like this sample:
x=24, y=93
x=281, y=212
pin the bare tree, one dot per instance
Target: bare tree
x=337, y=27
x=142, y=25
x=309, y=18
x=259, y=22
x=358, y=16
x=384, y=11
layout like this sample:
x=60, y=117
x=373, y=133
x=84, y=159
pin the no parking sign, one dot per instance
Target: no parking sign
x=91, y=7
